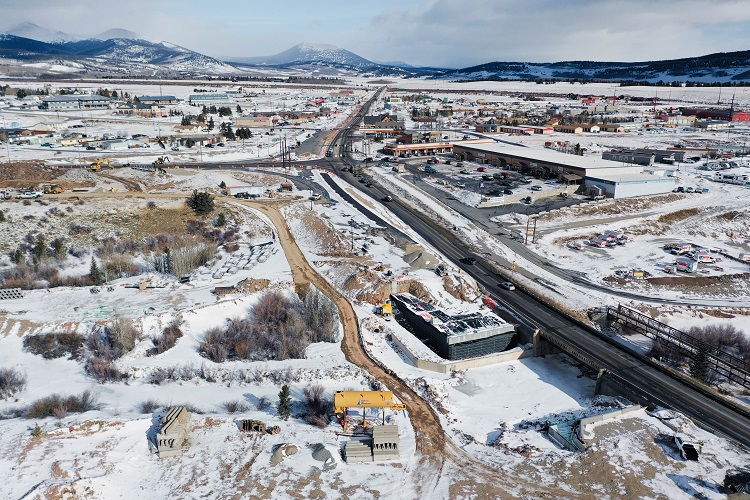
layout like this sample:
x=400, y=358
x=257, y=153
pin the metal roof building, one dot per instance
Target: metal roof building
x=63, y=102
x=455, y=337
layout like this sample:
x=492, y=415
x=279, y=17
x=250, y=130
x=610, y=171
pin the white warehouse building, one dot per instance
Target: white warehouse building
x=629, y=185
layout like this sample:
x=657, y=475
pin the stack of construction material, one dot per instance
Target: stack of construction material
x=357, y=451
x=173, y=432
x=385, y=443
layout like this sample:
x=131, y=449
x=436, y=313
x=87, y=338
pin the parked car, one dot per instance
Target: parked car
x=315, y=196
x=524, y=180
x=481, y=169
x=507, y=285
x=460, y=164
x=464, y=171
x=527, y=200
x=461, y=185
x=690, y=189
x=507, y=191
x=430, y=170
x=448, y=162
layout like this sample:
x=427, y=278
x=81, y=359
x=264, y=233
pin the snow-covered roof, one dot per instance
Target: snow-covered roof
x=543, y=155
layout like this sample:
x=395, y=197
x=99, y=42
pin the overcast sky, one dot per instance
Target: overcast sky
x=447, y=33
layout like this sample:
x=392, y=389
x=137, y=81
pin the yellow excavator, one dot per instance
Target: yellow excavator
x=343, y=400
x=160, y=161
x=97, y=165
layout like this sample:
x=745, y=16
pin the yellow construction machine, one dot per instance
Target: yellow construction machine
x=52, y=189
x=160, y=161
x=343, y=400
x=97, y=165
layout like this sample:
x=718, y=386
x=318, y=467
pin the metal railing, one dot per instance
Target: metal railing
x=726, y=364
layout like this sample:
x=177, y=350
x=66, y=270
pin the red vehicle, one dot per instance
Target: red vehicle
x=482, y=169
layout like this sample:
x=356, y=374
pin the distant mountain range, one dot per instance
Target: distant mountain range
x=29, y=49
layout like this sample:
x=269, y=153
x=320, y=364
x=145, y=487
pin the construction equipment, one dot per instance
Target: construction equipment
x=160, y=160
x=52, y=189
x=385, y=309
x=343, y=400
x=97, y=165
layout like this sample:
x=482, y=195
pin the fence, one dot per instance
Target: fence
x=724, y=363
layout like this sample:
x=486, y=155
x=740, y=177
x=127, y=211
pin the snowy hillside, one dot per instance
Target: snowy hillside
x=729, y=66
x=36, y=32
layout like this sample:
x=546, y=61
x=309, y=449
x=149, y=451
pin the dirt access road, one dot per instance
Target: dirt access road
x=441, y=460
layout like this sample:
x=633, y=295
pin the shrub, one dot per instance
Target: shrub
x=54, y=345
x=122, y=336
x=277, y=327
x=263, y=404
x=59, y=406
x=103, y=370
x=235, y=406
x=11, y=382
x=316, y=407
x=151, y=204
x=148, y=406
x=168, y=338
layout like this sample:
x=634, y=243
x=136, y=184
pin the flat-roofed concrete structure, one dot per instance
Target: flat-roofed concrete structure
x=455, y=337
x=551, y=162
x=629, y=185
x=428, y=147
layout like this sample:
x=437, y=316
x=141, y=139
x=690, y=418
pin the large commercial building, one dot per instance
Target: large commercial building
x=68, y=102
x=455, y=337
x=729, y=115
x=605, y=175
x=211, y=98
x=642, y=156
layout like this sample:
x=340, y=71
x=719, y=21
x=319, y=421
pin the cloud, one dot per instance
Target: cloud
x=451, y=33
x=458, y=33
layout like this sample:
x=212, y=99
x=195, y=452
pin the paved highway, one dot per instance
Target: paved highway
x=663, y=386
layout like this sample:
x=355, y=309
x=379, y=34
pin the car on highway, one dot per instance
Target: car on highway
x=388, y=198
x=536, y=188
x=507, y=191
x=469, y=260
x=507, y=285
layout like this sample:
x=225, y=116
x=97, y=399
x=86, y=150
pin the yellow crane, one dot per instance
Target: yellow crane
x=343, y=400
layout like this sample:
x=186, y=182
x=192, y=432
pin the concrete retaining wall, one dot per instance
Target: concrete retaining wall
x=587, y=430
x=448, y=366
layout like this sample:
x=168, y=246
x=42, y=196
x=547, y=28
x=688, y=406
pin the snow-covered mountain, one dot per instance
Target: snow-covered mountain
x=109, y=54
x=306, y=53
x=117, y=33
x=719, y=67
x=36, y=32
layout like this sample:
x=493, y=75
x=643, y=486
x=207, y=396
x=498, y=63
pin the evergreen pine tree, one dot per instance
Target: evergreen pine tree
x=94, y=273
x=285, y=403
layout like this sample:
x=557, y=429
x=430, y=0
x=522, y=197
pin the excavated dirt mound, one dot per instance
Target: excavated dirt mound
x=252, y=285
x=459, y=288
x=415, y=288
x=696, y=281
x=25, y=174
